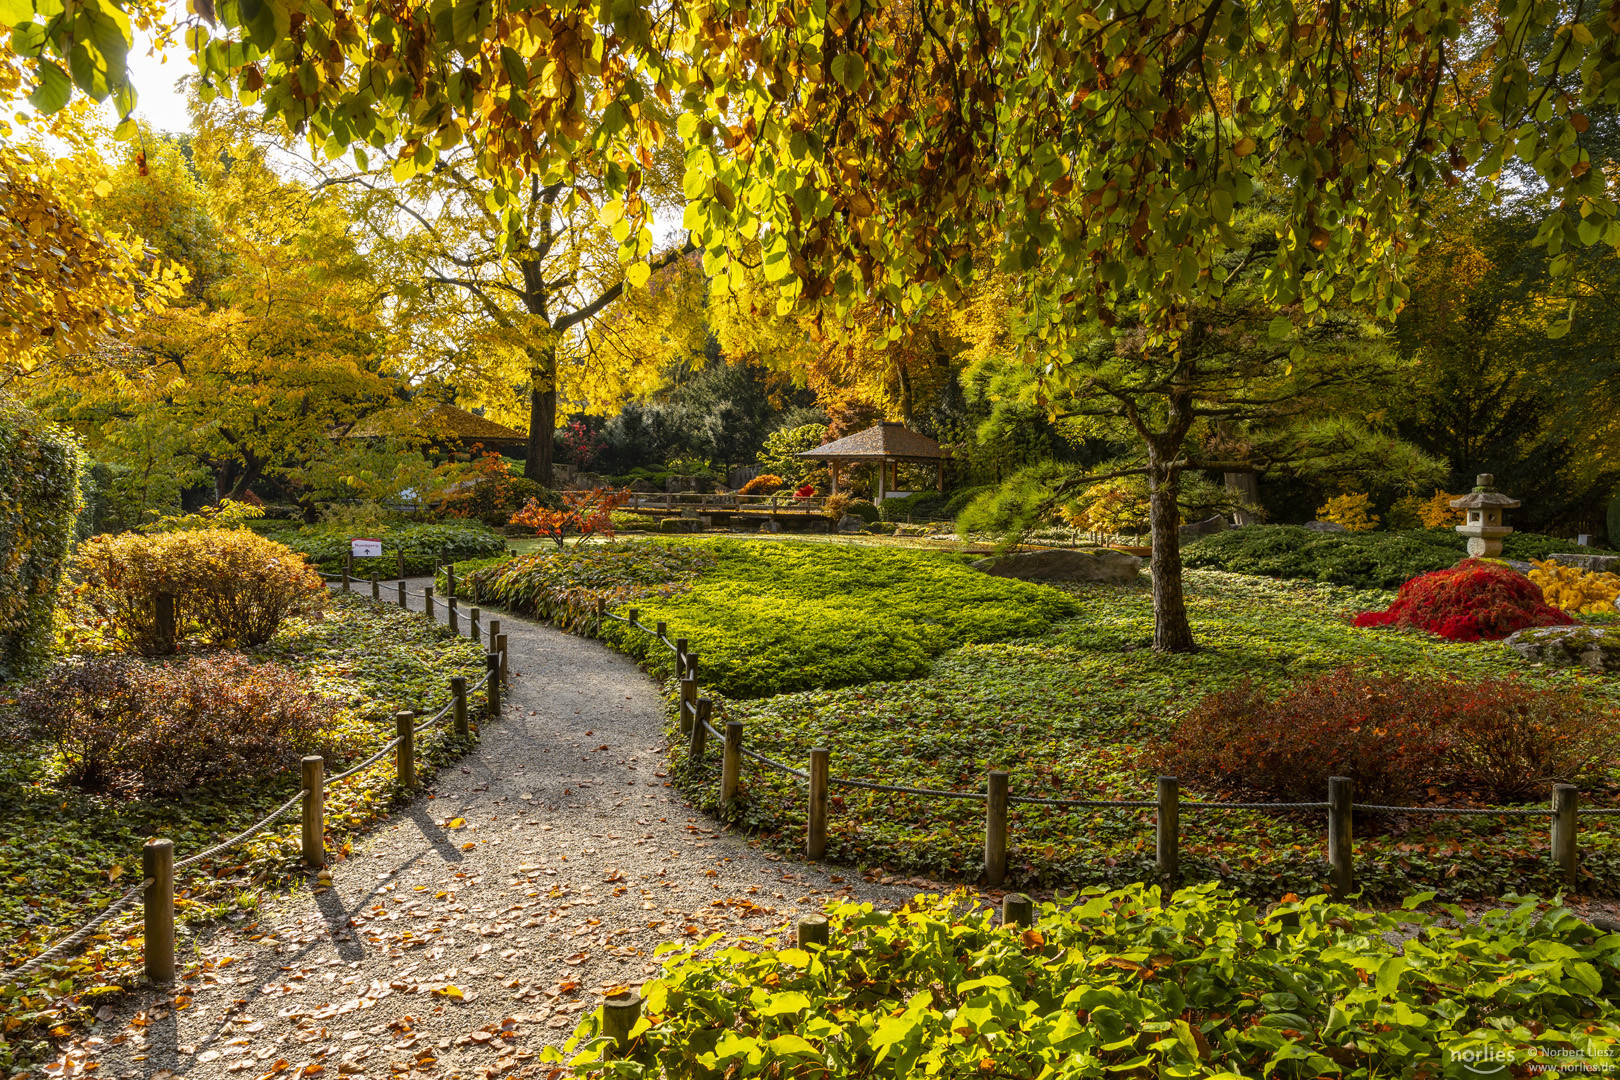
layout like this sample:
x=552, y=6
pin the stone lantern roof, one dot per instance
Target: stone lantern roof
x=1484, y=527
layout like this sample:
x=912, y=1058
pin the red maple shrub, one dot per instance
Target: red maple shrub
x=1473, y=601
x=1395, y=736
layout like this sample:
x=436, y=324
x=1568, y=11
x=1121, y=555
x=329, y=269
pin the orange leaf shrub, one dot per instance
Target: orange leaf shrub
x=1395, y=736
x=583, y=514
x=232, y=585
x=120, y=725
x=1474, y=600
x=763, y=484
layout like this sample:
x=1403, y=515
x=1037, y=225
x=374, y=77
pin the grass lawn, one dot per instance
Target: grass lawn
x=65, y=855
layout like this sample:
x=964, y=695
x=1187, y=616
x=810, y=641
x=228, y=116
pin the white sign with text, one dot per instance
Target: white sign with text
x=365, y=549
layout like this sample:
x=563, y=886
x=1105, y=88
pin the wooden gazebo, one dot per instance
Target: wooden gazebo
x=887, y=445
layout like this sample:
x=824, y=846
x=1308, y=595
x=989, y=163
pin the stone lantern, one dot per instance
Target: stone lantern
x=1484, y=527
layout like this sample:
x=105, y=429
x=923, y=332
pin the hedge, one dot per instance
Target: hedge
x=1367, y=560
x=422, y=544
x=39, y=505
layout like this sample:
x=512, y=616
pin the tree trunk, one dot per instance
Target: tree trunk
x=1244, y=486
x=1171, y=631
x=542, y=417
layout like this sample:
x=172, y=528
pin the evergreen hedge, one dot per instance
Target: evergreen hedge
x=39, y=504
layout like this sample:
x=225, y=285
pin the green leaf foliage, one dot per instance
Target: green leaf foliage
x=424, y=545
x=39, y=504
x=1075, y=713
x=1367, y=560
x=1121, y=982
x=779, y=616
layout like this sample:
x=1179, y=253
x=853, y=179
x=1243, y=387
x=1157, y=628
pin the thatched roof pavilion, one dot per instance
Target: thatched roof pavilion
x=886, y=444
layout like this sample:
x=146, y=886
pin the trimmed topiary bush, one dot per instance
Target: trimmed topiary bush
x=1474, y=601
x=39, y=504
x=918, y=506
x=763, y=484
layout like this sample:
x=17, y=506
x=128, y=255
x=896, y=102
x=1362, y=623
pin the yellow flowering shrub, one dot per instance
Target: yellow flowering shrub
x=1353, y=511
x=1580, y=592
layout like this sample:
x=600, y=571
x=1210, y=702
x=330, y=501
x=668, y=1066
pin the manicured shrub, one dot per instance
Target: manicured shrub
x=918, y=506
x=1476, y=600
x=773, y=617
x=763, y=484
x=1397, y=737
x=1366, y=560
x=423, y=545
x=1378, y=731
x=39, y=502
x=231, y=585
x=120, y=725
x=863, y=509
x=565, y=585
x=1126, y=983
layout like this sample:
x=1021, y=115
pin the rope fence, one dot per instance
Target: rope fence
x=1340, y=805
x=157, y=856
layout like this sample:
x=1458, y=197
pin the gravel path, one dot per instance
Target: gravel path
x=480, y=922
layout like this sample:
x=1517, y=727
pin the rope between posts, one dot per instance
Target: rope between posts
x=84, y=931
x=1080, y=802
x=256, y=827
x=763, y=760
x=1535, y=811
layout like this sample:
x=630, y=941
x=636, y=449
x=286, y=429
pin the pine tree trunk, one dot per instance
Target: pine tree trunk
x=1171, y=631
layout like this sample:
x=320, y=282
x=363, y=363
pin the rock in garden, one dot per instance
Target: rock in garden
x=770, y=526
x=851, y=523
x=1065, y=565
x=1567, y=646
x=1594, y=564
x=1208, y=527
x=1325, y=526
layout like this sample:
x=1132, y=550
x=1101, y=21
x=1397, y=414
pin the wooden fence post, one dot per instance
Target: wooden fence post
x=458, y=703
x=1565, y=807
x=1017, y=910
x=402, y=602
x=452, y=617
x=450, y=579
x=500, y=648
x=157, y=863
x=494, y=632
x=688, y=705
x=315, y=810
x=492, y=664
x=1168, y=834
x=635, y=616
x=815, y=842
x=601, y=615
x=1341, y=854
x=376, y=593
x=619, y=1014
x=700, y=730
x=405, y=752
x=813, y=930
x=662, y=628
x=995, y=829
x=348, y=568
x=731, y=761
x=400, y=554
x=427, y=603
x=680, y=658
x=472, y=623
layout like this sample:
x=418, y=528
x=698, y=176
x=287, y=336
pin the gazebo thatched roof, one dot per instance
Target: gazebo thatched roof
x=889, y=440
x=449, y=422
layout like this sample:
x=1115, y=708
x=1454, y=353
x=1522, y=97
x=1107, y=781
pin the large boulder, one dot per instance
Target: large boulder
x=1208, y=527
x=850, y=523
x=1568, y=646
x=1063, y=564
x=1325, y=526
x=1596, y=564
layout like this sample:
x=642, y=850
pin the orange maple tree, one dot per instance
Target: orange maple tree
x=584, y=514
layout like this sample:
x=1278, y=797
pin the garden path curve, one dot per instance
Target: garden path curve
x=570, y=780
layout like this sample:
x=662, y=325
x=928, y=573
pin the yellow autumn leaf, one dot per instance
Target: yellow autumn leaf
x=456, y=823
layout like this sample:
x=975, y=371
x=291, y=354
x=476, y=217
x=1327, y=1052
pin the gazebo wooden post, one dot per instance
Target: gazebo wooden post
x=941, y=464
